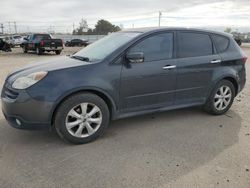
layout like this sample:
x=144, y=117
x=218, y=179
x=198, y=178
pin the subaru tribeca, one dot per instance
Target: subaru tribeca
x=125, y=74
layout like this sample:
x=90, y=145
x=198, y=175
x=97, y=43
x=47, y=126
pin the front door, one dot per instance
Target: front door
x=150, y=84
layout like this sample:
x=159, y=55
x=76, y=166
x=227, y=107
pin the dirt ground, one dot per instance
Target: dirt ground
x=181, y=148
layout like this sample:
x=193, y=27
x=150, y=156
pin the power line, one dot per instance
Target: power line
x=59, y=25
x=128, y=15
x=9, y=28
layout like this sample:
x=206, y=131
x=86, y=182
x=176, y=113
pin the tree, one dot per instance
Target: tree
x=84, y=25
x=228, y=30
x=103, y=27
x=90, y=31
x=121, y=26
x=82, y=29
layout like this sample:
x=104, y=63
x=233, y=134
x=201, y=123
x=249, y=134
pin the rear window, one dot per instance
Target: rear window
x=194, y=44
x=17, y=37
x=44, y=37
x=221, y=43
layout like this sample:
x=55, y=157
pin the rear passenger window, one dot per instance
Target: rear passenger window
x=221, y=43
x=194, y=44
x=155, y=48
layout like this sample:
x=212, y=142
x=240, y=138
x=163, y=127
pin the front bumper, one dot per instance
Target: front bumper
x=23, y=112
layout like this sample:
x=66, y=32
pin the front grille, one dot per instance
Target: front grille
x=9, y=92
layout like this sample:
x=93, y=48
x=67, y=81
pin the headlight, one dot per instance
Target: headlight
x=29, y=80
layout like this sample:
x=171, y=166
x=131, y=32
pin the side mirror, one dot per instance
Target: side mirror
x=135, y=57
x=25, y=38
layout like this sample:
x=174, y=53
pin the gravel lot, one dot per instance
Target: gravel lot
x=182, y=148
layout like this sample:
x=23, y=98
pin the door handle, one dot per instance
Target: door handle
x=169, y=67
x=215, y=61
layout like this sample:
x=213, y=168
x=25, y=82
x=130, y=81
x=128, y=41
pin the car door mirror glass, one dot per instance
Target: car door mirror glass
x=135, y=57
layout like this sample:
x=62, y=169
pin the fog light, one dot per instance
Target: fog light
x=18, y=122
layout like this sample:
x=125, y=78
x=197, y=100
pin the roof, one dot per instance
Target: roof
x=157, y=29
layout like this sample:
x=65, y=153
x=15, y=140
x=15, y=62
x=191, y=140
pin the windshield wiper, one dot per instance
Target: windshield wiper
x=80, y=58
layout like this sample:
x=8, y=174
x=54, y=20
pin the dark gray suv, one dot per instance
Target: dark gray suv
x=125, y=74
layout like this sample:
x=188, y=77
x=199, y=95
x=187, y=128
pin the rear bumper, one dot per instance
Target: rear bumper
x=17, y=44
x=26, y=113
x=52, y=49
x=241, y=79
x=242, y=85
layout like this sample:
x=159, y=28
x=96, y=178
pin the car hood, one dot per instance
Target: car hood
x=50, y=65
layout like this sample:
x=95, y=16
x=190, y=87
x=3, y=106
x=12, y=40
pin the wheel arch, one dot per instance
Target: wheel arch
x=231, y=78
x=108, y=100
x=234, y=82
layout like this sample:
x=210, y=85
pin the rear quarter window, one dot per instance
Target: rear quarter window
x=192, y=44
x=221, y=43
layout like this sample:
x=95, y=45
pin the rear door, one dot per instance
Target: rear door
x=30, y=42
x=75, y=42
x=150, y=84
x=197, y=59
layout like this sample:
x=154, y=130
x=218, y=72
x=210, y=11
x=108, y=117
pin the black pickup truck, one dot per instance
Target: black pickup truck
x=41, y=43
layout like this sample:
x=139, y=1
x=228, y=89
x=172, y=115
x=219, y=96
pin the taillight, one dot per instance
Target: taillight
x=245, y=59
x=62, y=42
x=41, y=43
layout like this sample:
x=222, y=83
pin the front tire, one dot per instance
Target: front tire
x=82, y=118
x=221, y=98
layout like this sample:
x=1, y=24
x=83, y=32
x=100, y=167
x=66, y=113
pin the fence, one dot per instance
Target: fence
x=90, y=38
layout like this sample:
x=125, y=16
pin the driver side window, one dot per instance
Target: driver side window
x=156, y=47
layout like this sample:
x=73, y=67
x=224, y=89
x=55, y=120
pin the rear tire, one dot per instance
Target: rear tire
x=74, y=122
x=38, y=51
x=25, y=49
x=221, y=98
x=58, y=52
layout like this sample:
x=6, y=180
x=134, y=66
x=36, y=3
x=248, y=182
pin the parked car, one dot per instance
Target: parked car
x=14, y=40
x=125, y=74
x=238, y=40
x=41, y=43
x=77, y=42
x=4, y=46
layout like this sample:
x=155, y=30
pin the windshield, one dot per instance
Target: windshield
x=103, y=47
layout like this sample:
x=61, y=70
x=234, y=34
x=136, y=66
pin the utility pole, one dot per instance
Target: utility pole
x=160, y=18
x=15, y=27
x=9, y=28
x=2, y=27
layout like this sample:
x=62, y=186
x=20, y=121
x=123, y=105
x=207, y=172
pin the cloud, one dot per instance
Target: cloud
x=60, y=15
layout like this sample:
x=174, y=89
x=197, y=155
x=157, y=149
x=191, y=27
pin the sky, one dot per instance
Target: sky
x=63, y=15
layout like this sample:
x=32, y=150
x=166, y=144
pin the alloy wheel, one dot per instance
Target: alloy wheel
x=222, y=98
x=83, y=120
